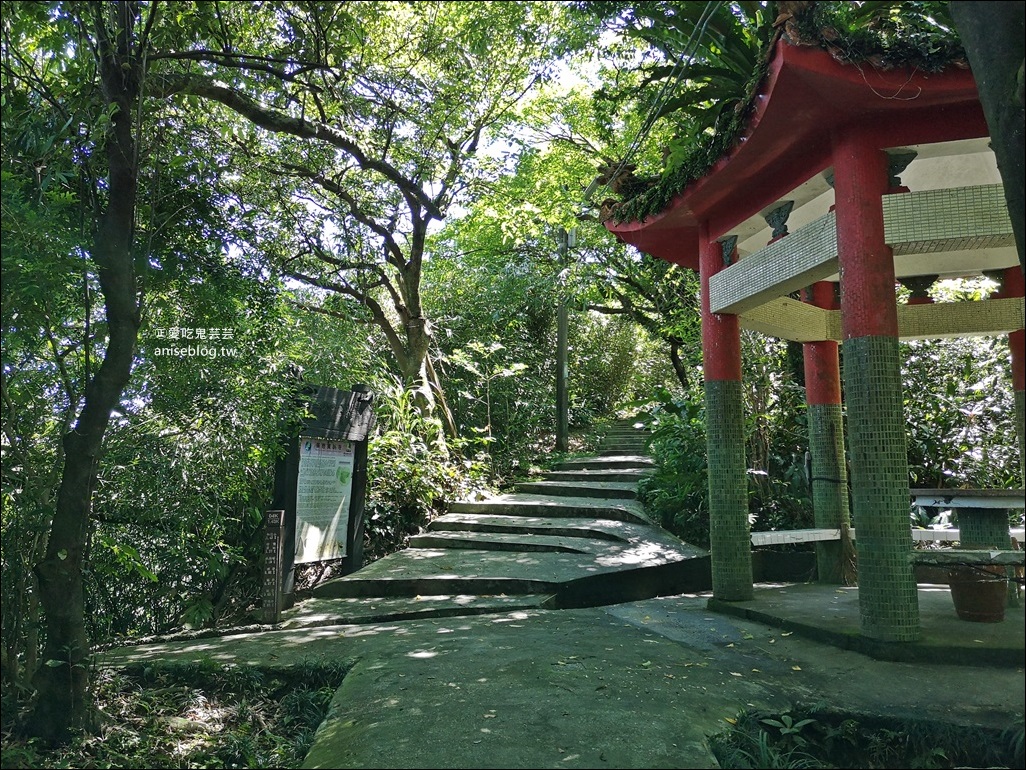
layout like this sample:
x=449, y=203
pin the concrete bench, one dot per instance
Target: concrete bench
x=814, y=535
x=948, y=557
x=794, y=536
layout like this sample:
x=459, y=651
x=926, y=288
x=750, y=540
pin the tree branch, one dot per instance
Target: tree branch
x=330, y=185
x=276, y=121
x=246, y=61
x=377, y=312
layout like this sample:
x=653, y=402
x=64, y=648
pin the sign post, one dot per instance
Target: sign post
x=271, y=592
x=320, y=486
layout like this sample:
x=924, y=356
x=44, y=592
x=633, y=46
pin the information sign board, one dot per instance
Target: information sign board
x=323, y=498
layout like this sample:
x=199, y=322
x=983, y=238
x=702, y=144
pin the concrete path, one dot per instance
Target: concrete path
x=460, y=661
x=576, y=537
x=635, y=685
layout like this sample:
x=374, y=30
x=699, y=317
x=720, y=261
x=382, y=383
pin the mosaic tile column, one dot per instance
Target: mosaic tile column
x=829, y=480
x=888, y=600
x=729, y=535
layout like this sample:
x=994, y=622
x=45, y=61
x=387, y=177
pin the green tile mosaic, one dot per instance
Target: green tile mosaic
x=888, y=601
x=829, y=486
x=982, y=528
x=948, y=219
x=805, y=256
x=728, y=492
x=1020, y=432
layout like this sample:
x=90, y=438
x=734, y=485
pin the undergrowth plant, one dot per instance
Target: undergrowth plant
x=201, y=714
x=820, y=737
x=413, y=470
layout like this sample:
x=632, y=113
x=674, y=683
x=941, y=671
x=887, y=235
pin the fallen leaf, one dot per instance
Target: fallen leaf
x=787, y=633
x=796, y=668
x=734, y=673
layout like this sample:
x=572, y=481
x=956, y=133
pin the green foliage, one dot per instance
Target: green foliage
x=496, y=276
x=410, y=475
x=193, y=715
x=226, y=206
x=677, y=493
x=747, y=745
x=959, y=407
x=819, y=737
x=790, y=729
x=885, y=34
x=776, y=435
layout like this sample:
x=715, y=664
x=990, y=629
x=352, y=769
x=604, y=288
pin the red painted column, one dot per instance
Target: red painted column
x=822, y=371
x=729, y=536
x=888, y=598
x=828, y=481
x=721, y=332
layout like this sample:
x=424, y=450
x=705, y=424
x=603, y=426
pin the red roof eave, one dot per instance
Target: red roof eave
x=806, y=97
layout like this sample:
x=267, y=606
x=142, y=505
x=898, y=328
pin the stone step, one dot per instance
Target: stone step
x=625, y=447
x=612, y=451
x=522, y=504
x=592, y=529
x=610, y=490
x=623, y=474
x=497, y=541
x=314, y=612
x=647, y=566
x=444, y=571
x=578, y=537
x=608, y=462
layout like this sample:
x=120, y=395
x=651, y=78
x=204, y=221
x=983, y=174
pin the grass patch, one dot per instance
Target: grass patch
x=191, y=715
x=821, y=738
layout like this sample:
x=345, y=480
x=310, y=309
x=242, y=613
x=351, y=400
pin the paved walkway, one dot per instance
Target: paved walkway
x=541, y=675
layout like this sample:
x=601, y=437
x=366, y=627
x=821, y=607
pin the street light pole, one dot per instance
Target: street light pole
x=562, y=354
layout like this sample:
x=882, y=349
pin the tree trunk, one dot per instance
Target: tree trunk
x=448, y=421
x=62, y=680
x=414, y=365
x=678, y=365
x=993, y=36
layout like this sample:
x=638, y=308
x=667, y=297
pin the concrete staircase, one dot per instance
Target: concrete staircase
x=577, y=537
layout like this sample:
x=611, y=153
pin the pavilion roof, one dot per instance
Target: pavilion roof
x=807, y=97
